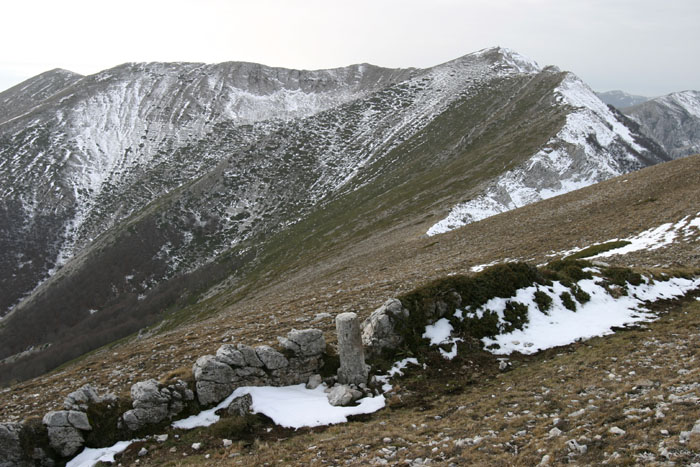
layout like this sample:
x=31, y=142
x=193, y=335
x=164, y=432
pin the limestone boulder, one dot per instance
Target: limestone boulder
x=271, y=359
x=85, y=396
x=379, y=329
x=214, y=379
x=240, y=406
x=250, y=356
x=228, y=354
x=65, y=429
x=304, y=343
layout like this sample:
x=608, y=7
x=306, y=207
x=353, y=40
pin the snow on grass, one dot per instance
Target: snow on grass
x=91, y=456
x=288, y=406
x=561, y=326
x=651, y=239
x=439, y=333
x=396, y=369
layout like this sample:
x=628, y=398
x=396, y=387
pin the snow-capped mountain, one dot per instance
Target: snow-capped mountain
x=621, y=99
x=134, y=190
x=595, y=143
x=672, y=120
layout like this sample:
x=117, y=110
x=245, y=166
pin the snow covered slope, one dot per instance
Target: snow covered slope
x=672, y=120
x=594, y=144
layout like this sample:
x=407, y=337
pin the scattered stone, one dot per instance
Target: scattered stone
x=65, y=429
x=353, y=369
x=378, y=330
x=227, y=443
x=196, y=446
x=143, y=452
x=162, y=438
x=576, y=448
x=554, y=432
x=545, y=460
x=340, y=395
x=240, y=406
x=314, y=381
x=617, y=431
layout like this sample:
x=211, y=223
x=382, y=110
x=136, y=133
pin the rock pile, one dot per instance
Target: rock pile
x=216, y=376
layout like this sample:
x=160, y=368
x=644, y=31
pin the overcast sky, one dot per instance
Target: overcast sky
x=646, y=47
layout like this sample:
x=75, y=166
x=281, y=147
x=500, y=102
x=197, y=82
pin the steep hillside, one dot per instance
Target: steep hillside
x=672, y=120
x=135, y=194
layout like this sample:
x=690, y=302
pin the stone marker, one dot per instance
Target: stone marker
x=353, y=369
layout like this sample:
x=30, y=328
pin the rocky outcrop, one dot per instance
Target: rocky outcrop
x=66, y=430
x=379, y=329
x=342, y=394
x=353, y=369
x=216, y=376
x=154, y=403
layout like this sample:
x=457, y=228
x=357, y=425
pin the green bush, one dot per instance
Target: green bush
x=568, y=301
x=543, y=301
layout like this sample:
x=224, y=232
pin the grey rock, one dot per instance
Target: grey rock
x=148, y=394
x=314, y=381
x=272, y=359
x=228, y=354
x=340, y=395
x=379, y=329
x=65, y=429
x=304, y=343
x=353, y=369
x=83, y=397
x=139, y=417
x=214, y=379
x=10, y=448
x=251, y=358
x=576, y=448
x=240, y=406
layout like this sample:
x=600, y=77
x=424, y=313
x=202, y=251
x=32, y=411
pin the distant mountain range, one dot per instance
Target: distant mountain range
x=621, y=99
x=129, y=194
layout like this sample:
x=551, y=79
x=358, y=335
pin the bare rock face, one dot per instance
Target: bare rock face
x=379, y=329
x=65, y=429
x=304, y=343
x=250, y=356
x=353, y=369
x=83, y=397
x=215, y=379
x=10, y=448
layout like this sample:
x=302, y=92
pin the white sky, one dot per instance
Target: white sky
x=646, y=47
